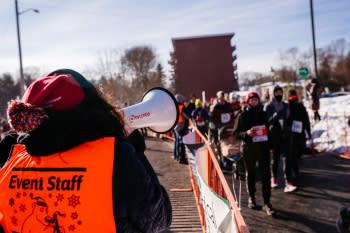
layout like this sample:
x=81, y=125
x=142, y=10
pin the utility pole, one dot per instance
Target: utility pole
x=21, y=78
x=313, y=37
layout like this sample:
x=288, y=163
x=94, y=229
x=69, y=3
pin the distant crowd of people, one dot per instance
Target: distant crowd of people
x=264, y=132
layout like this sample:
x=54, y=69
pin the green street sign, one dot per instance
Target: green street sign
x=303, y=72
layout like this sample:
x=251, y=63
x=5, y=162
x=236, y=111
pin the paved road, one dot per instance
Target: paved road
x=324, y=185
x=173, y=175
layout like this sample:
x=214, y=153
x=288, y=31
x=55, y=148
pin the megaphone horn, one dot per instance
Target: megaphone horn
x=157, y=111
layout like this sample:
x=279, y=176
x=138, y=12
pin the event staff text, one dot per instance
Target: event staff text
x=53, y=183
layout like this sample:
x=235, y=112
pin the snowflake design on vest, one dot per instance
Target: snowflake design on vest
x=71, y=227
x=73, y=200
x=74, y=215
x=22, y=208
x=60, y=197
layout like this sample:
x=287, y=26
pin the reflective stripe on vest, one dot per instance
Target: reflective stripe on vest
x=64, y=192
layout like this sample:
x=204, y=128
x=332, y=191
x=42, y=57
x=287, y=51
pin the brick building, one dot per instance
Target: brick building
x=204, y=63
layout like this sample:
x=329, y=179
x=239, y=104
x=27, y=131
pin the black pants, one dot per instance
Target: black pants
x=295, y=149
x=179, y=147
x=252, y=154
x=276, y=155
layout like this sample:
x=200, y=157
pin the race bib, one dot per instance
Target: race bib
x=200, y=121
x=225, y=118
x=260, y=134
x=297, y=127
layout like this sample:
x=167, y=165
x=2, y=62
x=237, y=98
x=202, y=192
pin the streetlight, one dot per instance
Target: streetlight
x=22, y=84
x=313, y=36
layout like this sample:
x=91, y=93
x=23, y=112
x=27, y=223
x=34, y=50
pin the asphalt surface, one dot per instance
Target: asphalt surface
x=323, y=187
x=176, y=180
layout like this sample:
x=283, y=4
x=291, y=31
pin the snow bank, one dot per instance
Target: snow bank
x=332, y=133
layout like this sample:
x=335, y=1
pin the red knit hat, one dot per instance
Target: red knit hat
x=57, y=92
x=250, y=95
x=61, y=92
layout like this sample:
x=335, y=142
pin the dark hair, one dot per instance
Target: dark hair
x=96, y=107
x=292, y=92
x=277, y=88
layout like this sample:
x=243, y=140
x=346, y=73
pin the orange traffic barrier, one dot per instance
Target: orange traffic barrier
x=217, y=182
x=167, y=136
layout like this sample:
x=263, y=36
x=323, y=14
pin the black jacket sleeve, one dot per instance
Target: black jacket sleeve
x=6, y=147
x=141, y=204
x=306, y=120
x=240, y=128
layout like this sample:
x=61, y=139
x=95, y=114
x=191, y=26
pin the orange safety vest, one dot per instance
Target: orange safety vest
x=69, y=191
x=181, y=117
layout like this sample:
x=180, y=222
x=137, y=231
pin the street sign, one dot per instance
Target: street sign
x=303, y=73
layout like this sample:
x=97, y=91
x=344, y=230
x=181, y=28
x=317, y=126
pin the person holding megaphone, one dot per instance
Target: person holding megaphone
x=72, y=152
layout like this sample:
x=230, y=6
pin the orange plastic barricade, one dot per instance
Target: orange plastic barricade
x=217, y=183
x=167, y=136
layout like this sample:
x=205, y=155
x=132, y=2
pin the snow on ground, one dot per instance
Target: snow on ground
x=332, y=133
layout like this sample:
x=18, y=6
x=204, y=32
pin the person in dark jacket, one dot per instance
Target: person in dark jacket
x=276, y=111
x=220, y=117
x=314, y=90
x=181, y=130
x=200, y=117
x=222, y=112
x=191, y=105
x=297, y=130
x=61, y=113
x=252, y=129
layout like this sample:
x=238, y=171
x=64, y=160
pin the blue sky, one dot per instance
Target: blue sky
x=71, y=33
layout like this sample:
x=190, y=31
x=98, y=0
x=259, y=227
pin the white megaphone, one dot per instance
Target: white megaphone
x=157, y=111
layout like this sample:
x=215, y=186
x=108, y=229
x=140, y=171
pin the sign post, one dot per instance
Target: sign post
x=303, y=74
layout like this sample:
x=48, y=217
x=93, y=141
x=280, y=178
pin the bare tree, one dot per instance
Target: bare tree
x=138, y=64
x=139, y=61
x=107, y=63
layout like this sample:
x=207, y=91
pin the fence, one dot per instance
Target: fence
x=216, y=181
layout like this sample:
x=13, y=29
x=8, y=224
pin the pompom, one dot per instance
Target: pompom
x=24, y=117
